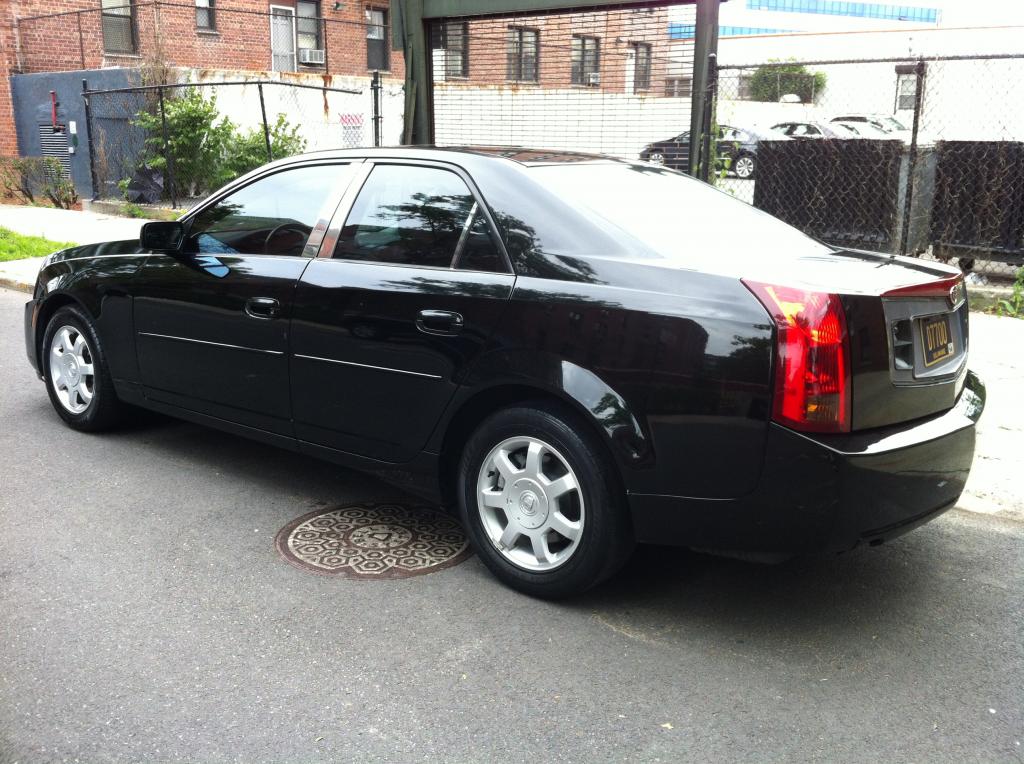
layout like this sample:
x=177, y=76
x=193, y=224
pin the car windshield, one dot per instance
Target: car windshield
x=671, y=215
x=891, y=123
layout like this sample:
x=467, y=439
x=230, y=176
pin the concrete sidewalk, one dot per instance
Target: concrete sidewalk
x=58, y=225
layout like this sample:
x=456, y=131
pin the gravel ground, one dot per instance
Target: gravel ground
x=145, y=616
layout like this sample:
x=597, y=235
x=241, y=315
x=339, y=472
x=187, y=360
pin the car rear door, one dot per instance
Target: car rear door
x=410, y=282
x=211, y=324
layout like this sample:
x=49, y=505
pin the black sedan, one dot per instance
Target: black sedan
x=527, y=337
x=736, y=147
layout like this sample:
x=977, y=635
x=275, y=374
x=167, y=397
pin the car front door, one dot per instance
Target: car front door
x=211, y=324
x=402, y=299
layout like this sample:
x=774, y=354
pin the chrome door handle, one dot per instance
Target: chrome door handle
x=262, y=307
x=439, y=322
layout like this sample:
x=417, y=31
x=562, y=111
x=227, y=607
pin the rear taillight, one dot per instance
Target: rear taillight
x=812, y=370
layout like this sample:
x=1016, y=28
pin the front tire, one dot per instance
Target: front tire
x=745, y=166
x=76, y=372
x=540, y=500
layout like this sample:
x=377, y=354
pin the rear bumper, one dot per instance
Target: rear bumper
x=830, y=493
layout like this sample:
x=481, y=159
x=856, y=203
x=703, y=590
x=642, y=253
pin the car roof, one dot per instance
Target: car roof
x=518, y=154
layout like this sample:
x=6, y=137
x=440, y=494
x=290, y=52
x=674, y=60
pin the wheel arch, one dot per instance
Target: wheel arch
x=604, y=413
x=47, y=309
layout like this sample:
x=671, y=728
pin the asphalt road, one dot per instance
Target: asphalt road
x=144, y=615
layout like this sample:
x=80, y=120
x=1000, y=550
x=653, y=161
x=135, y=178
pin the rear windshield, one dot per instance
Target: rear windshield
x=670, y=215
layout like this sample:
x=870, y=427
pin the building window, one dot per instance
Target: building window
x=307, y=25
x=204, y=15
x=586, y=61
x=523, y=52
x=678, y=87
x=376, y=39
x=641, y=66
x=844, y=8
x=456, y=49
x=118, y=18
x=906, y=91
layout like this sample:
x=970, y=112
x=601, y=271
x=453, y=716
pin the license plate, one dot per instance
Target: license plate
x=938, y=340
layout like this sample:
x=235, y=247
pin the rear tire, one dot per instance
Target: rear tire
x=75, y=369
x=540, y=499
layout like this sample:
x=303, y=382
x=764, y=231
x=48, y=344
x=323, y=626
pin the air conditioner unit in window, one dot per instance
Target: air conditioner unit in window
x=594, y=79
x=311, y=56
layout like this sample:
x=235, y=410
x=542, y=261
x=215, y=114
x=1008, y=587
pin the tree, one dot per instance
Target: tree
x=771, y=82
x=248, y=150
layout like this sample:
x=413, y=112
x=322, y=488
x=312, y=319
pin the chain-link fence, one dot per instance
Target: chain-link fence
x=176, y=143
x=614, y=80
x=921, y=157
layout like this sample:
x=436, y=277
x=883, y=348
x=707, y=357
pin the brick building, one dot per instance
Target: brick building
x=622, y=50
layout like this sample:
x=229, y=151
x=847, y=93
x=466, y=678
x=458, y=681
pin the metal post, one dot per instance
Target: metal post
x=707, y=161
x=168, y=159
x=88, y=140
x=375, y=90
x=81, y=43
x=908, y=196
x=705, y=43
x=327, y=62
x=266, y=127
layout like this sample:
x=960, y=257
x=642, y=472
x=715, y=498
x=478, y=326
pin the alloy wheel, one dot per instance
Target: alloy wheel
x=530, y=503
x=656, y=157
x=744, y=167
x=71, y=369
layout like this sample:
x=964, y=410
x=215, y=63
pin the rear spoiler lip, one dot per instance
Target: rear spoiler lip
x=951, y=288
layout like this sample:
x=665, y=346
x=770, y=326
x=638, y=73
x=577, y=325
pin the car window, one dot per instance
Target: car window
x=407, y=215
x=477, y=251
x=811, y=130
x=271, y=216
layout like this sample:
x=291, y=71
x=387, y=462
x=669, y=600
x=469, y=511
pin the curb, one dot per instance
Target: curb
x=16, y=285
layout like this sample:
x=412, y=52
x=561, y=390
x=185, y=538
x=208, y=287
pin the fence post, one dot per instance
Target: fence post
x=168, y=159
x=908, y=196
x=88, y=140
x=266, y=127
x=376, y=118
x=707, y=162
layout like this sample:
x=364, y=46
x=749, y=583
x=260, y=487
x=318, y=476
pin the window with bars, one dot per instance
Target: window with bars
x=118, y=21
x=906, y=91
x=376, y=39
x=205, y=18
x=678, y=87
x=456, y=49
x=523, y=54
x=307, y=25
x=586, y=61
x=641, y=66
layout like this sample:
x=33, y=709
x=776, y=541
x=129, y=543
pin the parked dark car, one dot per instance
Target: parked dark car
x=811, y=130
x=737, y=150
x=566, y=348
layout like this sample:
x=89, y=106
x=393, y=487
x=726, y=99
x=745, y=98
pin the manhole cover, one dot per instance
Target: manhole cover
x=373, y=541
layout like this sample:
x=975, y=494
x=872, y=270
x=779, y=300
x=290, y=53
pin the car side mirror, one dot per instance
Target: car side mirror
x=162, y=236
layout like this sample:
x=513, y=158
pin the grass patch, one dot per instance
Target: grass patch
x=14, y=246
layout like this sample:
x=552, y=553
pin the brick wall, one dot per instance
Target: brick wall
x=165, y=31
x=617, y=32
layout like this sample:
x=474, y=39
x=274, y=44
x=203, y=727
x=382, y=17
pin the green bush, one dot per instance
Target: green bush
x=770, y=83
x=198, y=141
x=248, y=150
x=206, y=149
x=35, y=179
x=1015, y=305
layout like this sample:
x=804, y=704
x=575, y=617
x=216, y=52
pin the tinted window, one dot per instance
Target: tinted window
x=272, y=216
x=478, y=252
x=407, y=215
x=665, y=214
